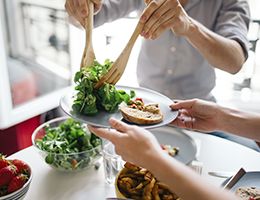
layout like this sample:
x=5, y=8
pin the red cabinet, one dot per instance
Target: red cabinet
x=18, y=137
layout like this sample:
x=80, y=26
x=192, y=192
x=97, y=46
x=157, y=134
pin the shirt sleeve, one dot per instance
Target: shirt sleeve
x=233, y=22
x=115, y=9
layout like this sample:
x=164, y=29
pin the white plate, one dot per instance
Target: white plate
x=168, y=135
x=101, y=118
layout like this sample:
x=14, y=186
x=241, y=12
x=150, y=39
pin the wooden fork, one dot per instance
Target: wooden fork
x=88, y=54
x=118, y=67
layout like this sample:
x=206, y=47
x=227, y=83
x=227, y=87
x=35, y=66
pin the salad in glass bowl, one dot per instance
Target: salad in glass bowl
x=66, y=144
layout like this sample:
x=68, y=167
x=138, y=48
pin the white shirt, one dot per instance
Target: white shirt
x=170, y=64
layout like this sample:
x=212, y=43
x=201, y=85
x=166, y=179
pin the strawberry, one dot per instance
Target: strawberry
x=22, y=167
x=3, y=161
x=6, y=174
x=17, y=182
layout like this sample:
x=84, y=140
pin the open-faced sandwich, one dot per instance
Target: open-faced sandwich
x=139, y=113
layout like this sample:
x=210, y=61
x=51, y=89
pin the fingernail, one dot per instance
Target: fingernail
x=143, y=18
x=112, y=120
x=173, y=109
x=84, y=13
x=146, y=35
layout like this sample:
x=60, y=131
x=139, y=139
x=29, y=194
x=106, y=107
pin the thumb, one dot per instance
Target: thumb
x=184, y=104
x=118, y=125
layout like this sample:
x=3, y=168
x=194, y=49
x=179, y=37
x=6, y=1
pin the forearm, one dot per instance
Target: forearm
x=240, y=123
x=182, y=179
x=222, y=53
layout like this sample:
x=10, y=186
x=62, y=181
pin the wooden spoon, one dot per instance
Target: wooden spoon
x=118, y=67
x=88, y=54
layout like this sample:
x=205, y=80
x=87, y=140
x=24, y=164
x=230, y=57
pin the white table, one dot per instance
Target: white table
x=216, y=154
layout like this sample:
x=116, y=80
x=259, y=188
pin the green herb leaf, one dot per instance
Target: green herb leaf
x=88, y=99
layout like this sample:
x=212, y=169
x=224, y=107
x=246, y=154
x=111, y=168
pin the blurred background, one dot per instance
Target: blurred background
x=40, y=52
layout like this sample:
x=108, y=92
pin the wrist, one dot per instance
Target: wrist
x=161, y=159
x=193, y=28
x=227, y=118
x=153, y=157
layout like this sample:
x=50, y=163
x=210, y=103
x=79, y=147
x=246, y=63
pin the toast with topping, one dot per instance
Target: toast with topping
x=139, y=113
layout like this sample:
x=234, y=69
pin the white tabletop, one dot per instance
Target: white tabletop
x=215, y=153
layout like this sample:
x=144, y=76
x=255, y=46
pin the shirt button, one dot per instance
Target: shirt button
x=173, y=49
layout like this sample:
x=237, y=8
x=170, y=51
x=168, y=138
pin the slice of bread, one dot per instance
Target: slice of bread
x=141, y=117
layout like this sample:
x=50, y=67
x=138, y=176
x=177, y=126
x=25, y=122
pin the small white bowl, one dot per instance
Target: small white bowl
x=20, y=193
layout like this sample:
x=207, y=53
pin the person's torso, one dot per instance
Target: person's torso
x=171, y=65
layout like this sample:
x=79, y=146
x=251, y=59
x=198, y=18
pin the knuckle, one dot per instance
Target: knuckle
x=67, y=5
x=157, y=32
x=195, y=100
x=147, y=1
x=160, y=22
x=171, y=3
x=166, y=25
x=134, y=128
x=152, y=30
x=177, y=21
x=117, y=124
x=146, y=28
x=153, y=5
x=82, y=3
x=157, y=15
x=178, y=8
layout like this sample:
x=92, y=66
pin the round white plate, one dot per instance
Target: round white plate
x=101, y=118
x=168, y=135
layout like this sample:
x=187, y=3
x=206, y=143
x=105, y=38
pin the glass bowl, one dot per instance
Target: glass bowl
x=67, y=145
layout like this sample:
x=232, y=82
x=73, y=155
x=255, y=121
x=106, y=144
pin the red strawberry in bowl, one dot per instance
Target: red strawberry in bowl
x=17, y=182
x=22, y=167
x=6, y=174
x=3, y=161
x=15, y=179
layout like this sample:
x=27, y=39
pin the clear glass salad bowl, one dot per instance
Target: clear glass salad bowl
x=66, y=144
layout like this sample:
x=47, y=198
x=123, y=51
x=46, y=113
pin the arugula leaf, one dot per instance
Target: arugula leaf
x=89, y=100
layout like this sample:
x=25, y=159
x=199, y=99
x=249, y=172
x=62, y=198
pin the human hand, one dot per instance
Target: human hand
x=134, y=144
x=197, y=115
x=161, y=15
x=78, y=9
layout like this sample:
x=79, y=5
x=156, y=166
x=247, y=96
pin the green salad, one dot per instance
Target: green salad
x=70, y=145
x=89, y=100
